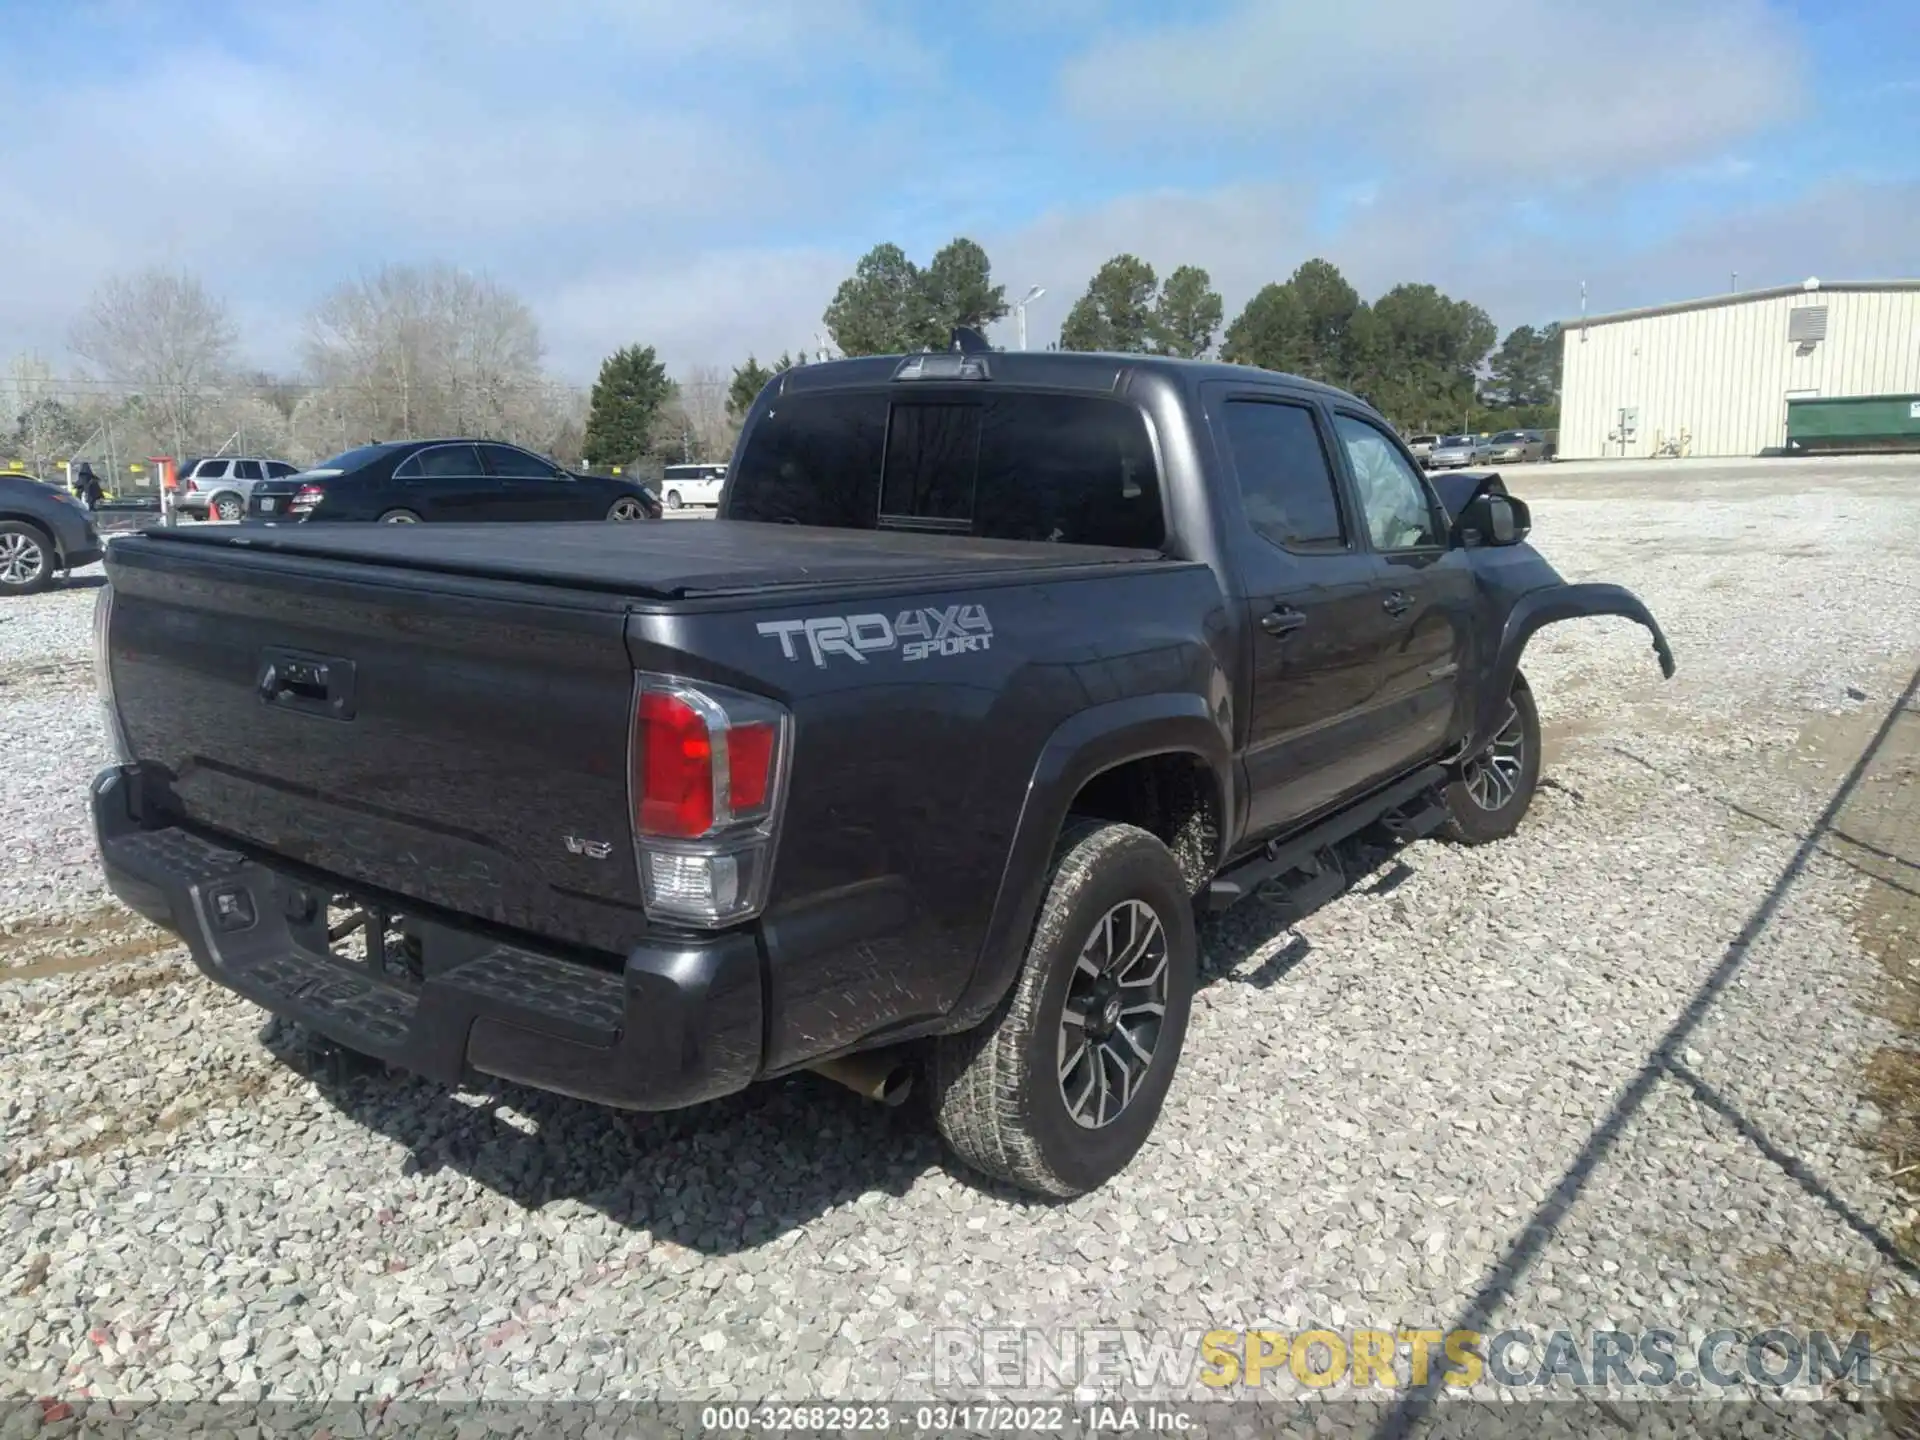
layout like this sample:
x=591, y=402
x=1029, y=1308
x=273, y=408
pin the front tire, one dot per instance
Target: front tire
x=1057, y=1091
x=1491, y=794
x=627, y=509
x=26, y=559
x=227, y=507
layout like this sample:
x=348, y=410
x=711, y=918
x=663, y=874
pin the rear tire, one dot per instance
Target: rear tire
x=1057, y=1091
x=26, y=558
x=399, y=517
x=1491, y=794
x=673, y=499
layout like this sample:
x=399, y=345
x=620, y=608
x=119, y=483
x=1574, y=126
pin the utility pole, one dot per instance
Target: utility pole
x=1020, y=311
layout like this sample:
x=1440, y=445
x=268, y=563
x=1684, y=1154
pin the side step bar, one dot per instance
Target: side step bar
x=1404, y=807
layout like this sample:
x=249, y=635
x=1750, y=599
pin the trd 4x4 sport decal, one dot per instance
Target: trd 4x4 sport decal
x=916, y=634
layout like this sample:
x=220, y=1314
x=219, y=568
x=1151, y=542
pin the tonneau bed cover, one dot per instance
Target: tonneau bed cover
x=668, y=560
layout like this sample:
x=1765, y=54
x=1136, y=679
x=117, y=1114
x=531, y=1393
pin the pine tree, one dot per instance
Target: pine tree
x=748, y=381
x=1116, y=313
x=626, y=402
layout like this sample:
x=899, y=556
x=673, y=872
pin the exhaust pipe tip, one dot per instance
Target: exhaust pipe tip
x=895, y=1086
x=884, y=1076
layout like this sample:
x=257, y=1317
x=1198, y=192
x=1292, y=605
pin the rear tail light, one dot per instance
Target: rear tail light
x=707, y=778
x=306, y=498
x=103, y=677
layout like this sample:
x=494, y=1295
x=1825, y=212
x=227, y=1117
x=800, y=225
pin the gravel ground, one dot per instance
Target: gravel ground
x=1435, y=1101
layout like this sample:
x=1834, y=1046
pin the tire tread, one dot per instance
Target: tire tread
x=977, y=1074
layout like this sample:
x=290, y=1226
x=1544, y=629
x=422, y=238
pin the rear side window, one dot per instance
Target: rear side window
x=1076, y=469
x=1286, y=481
x=278, y=469
x=442, y=462
x=506, y=461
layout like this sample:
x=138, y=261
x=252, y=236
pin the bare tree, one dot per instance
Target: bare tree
x=703, y=403
x=161, y=335
x=37, y=422
x=427, y=350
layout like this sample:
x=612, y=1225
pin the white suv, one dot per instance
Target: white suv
x=218, y=489
x=684, y=485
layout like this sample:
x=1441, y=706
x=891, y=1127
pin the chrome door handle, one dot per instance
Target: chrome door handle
x=1282, y=622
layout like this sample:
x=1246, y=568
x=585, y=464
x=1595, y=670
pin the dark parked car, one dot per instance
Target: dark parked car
x=915, y=762
x=44, y=529
x=412, y=480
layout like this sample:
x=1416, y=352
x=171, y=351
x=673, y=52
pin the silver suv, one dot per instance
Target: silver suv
x=218, y=489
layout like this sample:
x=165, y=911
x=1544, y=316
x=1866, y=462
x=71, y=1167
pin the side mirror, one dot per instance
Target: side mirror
x=1493, y=519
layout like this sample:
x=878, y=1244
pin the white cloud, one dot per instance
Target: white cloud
x=307, y=143
x=689, y=176
x=1553, y=89
x=711, y=308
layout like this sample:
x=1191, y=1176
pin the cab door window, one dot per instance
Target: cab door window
x=1394, y=500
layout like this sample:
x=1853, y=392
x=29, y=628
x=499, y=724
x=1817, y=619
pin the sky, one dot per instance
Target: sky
x=699, y=176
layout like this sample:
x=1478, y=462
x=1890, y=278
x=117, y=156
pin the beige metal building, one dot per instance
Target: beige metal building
x=1713, y=376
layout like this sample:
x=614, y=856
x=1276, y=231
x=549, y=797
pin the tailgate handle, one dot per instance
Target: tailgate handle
x=315, y=684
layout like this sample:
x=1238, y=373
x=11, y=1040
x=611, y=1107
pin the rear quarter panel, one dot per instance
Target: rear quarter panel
x=910, y=775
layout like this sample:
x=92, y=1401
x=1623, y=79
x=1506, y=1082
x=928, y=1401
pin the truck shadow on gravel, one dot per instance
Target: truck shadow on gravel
x=738, y=1172
x=1887, y=756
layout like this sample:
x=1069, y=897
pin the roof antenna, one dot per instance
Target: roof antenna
x=969, y=341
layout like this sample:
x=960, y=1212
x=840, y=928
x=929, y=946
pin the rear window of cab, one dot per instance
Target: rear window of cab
x=1073, y=469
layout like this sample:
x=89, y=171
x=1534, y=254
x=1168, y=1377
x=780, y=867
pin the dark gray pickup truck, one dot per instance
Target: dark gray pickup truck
x=917, y=762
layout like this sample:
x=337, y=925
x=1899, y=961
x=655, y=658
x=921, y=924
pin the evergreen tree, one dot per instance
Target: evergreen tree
x=748, y=381
x=1187, y=315
x=626, y=401
x=1116, y=313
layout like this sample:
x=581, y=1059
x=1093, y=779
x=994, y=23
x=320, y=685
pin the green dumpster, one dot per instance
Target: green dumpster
x=1857, y=422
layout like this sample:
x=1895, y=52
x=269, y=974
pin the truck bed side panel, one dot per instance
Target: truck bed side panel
x=909, y=774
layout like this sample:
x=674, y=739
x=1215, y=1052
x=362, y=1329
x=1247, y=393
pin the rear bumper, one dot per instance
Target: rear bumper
x=679, y=1023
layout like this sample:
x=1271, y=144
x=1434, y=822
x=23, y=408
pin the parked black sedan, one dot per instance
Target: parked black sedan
x=43, y=529
x=407, y=481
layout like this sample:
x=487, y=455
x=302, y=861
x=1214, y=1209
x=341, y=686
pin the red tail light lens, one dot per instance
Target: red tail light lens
x=675, y=794
x=707, y=770
x=307, y=496
x=750, y=751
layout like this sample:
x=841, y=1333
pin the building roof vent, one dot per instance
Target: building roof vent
x=1807, y=324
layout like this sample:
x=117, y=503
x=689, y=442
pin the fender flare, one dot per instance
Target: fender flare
x=1547, y=607
x=1085, y=745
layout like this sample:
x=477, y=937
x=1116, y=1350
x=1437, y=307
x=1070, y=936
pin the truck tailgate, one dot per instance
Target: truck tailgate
x=462, y=744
